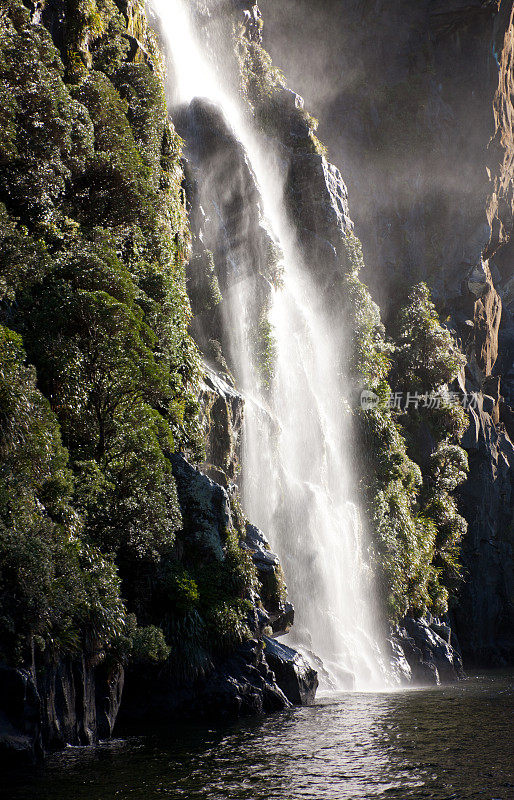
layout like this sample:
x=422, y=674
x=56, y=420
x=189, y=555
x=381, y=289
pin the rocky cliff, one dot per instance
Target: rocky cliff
x=415, y=106
x=228, y=225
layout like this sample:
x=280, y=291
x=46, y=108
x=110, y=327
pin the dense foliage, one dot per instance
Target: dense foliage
x=98, y=373
x=409, y=459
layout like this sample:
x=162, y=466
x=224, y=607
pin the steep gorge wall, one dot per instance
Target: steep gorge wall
x=412, y=554
x=415, y=105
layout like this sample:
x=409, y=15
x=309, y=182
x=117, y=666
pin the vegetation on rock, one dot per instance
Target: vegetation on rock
x=409, y=459
x=99, y=377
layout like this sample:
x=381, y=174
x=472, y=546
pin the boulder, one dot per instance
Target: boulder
x=293, y=674
x=428, y=652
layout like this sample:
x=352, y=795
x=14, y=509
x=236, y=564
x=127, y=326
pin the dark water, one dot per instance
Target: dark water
x=443, y=743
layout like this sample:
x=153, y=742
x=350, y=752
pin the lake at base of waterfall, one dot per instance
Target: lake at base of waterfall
x=439, y=743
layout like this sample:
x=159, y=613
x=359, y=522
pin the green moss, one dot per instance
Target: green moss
x=260, y=80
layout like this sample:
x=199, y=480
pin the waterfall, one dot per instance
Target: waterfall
x=297, y=481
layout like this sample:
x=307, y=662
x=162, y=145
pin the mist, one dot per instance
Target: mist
x=391, y=84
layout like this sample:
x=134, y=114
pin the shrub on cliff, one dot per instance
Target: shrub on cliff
x=409, y=460
x=426, y=361
x=53, y=585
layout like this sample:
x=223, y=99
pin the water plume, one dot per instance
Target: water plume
x=297, y=481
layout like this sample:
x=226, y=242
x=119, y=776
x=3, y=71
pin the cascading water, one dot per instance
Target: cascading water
x=297, y=484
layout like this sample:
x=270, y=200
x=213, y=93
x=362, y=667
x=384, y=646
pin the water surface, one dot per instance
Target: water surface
x=451, y=742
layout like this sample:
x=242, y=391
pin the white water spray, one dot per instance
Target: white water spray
x=297, y=485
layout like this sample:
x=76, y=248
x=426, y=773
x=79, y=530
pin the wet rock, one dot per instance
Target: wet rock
x=20, y=718
x=79, y=701
x=69, y=702
x=273, y=588
x=109, y=681
x=423, y=672
x=259, y=546
x=226, y=212
x=244, y=686
x=400, y=667
x=471, y=435
x=222, y=409
x=293, y=674
x=318, y=201
x=67, y=691
x=252, y=19
x=204, y=505
x=239, y=686
x=283, y=620
x=227, y=222
x=430, y=656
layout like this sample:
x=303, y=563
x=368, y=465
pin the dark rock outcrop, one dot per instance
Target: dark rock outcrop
x=68, y=701
x=280, y=613
x=246, y=682
x=242, y=685
x=228, y=230
x=20, y=718
x=260, y=677
x=222, y=409
x=429, y=650
x=204, y=505
x=293, y=674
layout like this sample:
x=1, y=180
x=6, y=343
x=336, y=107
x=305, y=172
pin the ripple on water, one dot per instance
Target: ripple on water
x=452, y=742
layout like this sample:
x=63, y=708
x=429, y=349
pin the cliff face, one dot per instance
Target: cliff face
x=409, y=554
x=103, y=520
x=415, y=106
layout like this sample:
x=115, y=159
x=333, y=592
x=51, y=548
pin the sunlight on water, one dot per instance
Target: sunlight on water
x=441, y=743
x=297, y=484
